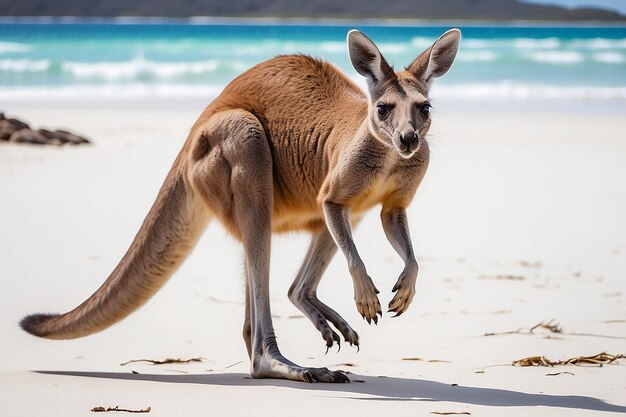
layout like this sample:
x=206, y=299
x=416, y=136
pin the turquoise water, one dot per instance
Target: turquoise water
x=171, y=60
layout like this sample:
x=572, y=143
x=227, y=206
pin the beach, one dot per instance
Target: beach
x=518, y=227
x=519, y=221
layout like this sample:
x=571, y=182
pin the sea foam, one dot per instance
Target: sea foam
x=599, y=43
x=517, y=91
x=528, y=43
x=24, y=65
x=557, y=57
x=142, y=91
x=609, y=58
x=137, y=68
x=117, y=91
x=14, y=47
x=484, y=56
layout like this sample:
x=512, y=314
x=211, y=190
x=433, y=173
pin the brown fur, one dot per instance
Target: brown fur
x=291, y=144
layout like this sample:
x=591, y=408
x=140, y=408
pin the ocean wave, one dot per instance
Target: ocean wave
x=609, y=58
x=135, y=91
x=137, y=68
x=477, y=43
x=141, y=91
x=557, y=57
x=333, y=47
x=421, y=42
x=239, y=66
x=484, y=56
x=24, y=65
x=599, y=43
x=6, y=47
x=526, y=44
x=392, y=47
x=510, y=90
x=529, y=43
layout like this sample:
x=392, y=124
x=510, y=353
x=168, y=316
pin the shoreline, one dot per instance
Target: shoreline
x=443, y=105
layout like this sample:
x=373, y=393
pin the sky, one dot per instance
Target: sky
x=619, y=5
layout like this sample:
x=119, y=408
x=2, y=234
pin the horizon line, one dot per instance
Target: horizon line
x=327, y=21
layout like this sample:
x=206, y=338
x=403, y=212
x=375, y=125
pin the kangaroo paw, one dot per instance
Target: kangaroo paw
x=405, y=291
x=367, y=303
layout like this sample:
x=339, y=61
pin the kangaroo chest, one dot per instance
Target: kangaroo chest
x=389, y=179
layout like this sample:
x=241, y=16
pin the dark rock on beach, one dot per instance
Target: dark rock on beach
x=8, y=126
x=28, y=136
x=14, y=130
x=69, y=137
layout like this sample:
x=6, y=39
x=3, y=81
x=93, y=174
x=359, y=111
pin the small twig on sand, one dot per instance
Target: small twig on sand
x=506, y=277
x=233, y=364
x=451, y=413
x=345, y=364
x=561, y=373
x=596, y=335
x=116, y=408
x=163, y=362
x=553, y=327
x=598, y=360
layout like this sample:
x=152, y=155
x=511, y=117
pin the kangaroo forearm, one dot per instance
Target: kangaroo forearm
x=396, y=227
x=337, y=219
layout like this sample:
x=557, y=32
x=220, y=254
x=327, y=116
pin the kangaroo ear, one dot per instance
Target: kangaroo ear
x=367, y=59
x=437, y=60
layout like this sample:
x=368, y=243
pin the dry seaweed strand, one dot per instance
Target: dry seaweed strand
x=451, y=413
x=116, y=408
x=596, y=360
x=163, y=362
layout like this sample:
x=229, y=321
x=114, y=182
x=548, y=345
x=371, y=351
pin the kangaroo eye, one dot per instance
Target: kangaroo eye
x=425, y=109
x=383, y=109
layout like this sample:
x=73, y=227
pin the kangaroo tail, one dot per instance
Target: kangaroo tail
x=167, y=235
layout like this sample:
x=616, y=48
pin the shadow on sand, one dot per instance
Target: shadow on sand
x=379, y=389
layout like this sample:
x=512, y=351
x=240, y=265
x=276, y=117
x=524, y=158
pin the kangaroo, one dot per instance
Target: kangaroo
x=291, y=144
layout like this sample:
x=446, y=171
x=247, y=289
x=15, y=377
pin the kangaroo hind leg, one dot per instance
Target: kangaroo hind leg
x=303, y=291
x=246, y=152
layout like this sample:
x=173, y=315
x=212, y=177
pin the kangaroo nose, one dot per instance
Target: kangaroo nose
x=408, y=138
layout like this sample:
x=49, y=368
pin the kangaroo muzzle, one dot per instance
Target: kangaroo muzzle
x=409, y=142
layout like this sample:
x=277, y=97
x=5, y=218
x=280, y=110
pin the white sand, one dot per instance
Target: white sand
x=535, y=196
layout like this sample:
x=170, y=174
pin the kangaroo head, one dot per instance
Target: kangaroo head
x=399, y=110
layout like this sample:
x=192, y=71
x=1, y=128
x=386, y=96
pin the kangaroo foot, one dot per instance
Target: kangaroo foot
x=277, y=366
x=320, y=315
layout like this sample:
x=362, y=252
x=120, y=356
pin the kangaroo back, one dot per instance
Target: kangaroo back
x=167, y=235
